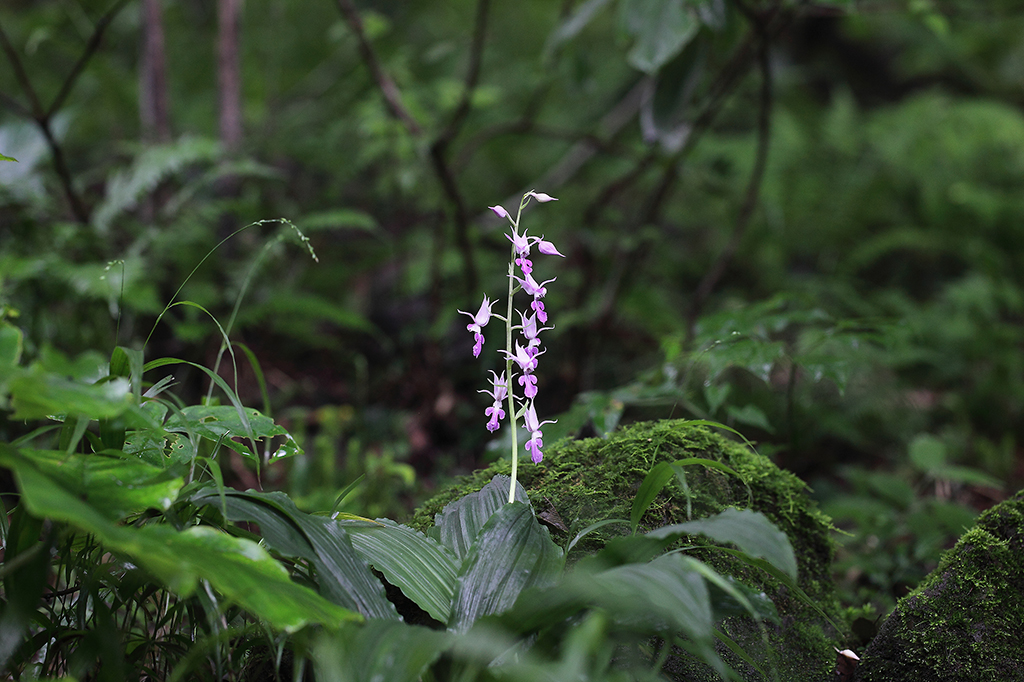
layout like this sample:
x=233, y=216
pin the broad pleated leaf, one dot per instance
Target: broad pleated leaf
x=423, y=569
x=460, y=521
x=378, y=651
x=239, y=569
x=511, y=553
x=751, y=531
x=345, y=578
x=668, y=594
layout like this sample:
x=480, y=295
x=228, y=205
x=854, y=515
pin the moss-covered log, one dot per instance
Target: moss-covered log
x=966, y=619
x=584, y=481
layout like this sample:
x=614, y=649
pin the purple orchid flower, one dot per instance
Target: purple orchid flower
x=547, y=248
x=531, y=287
x=526, y=361
x=480, y=320
x=498, y=392
x=536, y=441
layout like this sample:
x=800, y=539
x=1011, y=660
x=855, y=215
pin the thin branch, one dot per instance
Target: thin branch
x=90, y=50
x=717, y=271
x=439, y=148
x=38, y=113
x=392, y=95
x=14, y=105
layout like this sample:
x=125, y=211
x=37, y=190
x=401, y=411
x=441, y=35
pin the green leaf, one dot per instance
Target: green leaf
x=573, y=25
x=222, y=423
x=8, y=158
x=378, y=650
x=751, y=415
x=659, y=476
x=460, y=521
x=751, y=531
x=661, y=30
x=37, y=393
x=344, y=576
x=113, y=485
x=927, y=453
x=511, y=553
x=423, y=569
x=239, y=569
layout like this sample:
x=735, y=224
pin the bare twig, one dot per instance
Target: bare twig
x=392, y=95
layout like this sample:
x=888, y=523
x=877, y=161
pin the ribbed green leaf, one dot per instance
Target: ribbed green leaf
x=378, y=651
x=460, y=521
x=511, y=553
x=751, y=531
x=423, y=569
x=345, y=578
x=657, y=597
x=239, y=569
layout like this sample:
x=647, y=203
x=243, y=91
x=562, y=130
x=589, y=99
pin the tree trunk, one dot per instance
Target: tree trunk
x=229, y=74
x=153, y=76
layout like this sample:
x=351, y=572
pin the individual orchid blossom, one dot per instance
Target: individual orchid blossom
x=502, y=213
x=520, y=241
x=531, y=287
x=480, y=320
x=536, y=441
x=498, y=392
x=526, y=361
x=540, y=196
x=547, y=248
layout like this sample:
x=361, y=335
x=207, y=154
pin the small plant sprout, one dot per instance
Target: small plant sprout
x=523, y=355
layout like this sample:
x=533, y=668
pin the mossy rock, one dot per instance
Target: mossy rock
x=581, y=482
x=966, y=620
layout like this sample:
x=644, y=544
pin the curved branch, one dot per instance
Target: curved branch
x=43, y=117
x=392, y=95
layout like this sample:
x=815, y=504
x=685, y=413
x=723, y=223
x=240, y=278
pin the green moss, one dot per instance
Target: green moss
x=964, y=622
x=585, y=481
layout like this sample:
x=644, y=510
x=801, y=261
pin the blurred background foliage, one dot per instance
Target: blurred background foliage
x=799, y=218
